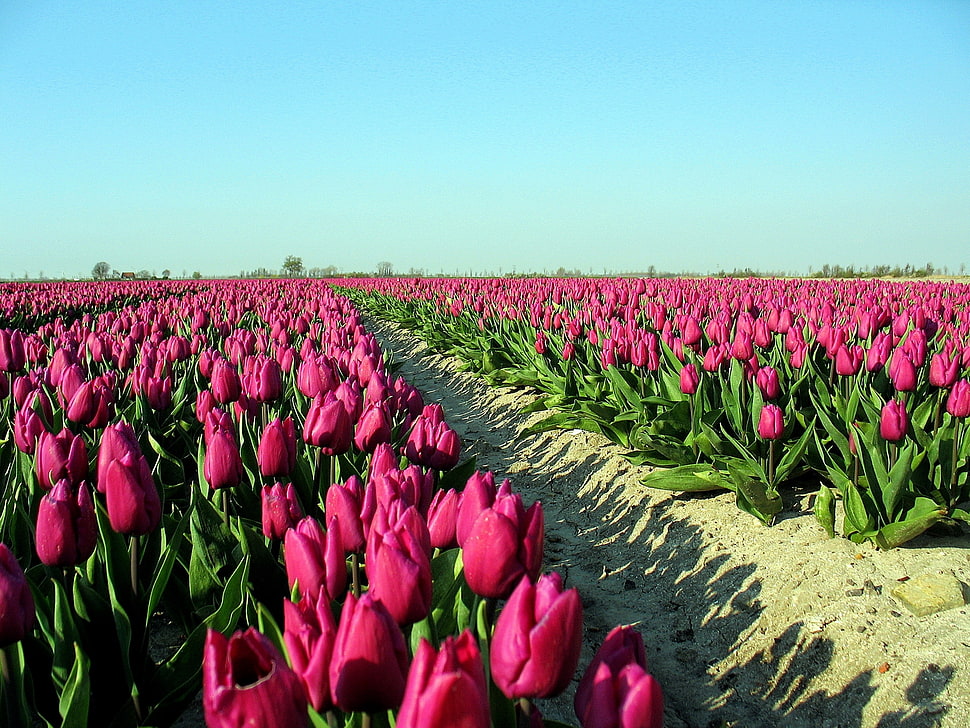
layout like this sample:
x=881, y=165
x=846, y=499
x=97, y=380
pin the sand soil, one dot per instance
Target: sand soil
x=745, y=625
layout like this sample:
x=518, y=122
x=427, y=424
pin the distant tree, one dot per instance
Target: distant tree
x=293, y=266
x=385, y=269
x=196, y=275
x=166, y=273
x=101, y=270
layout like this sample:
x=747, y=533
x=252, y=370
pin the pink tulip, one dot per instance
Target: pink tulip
x=310, y=631
x=66, y=531
x=17, y=614
x=398, y=566
x=958, y=402
x=60, y=456
x=276, y=454
x=505, y=544
x=281, y=510
x=538, y=636
x=771, y=422
x=246, y=682
x=315, y=559
x=222, y=466
x=446, y=687
x=894, y=421
x=689, y=379
x=369, y=665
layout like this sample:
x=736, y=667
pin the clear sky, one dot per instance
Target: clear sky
x=501, y=136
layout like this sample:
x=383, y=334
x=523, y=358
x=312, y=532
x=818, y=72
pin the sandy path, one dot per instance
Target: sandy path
x=744, y=625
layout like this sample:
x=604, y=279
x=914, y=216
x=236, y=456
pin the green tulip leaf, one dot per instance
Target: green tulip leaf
x=824, y=509
x=458, y=476
x=793, y=455
x=697, y=478
x=856, y=513
x=923, y=515
x=76, y=696
x=170, y=551
x=898, y=481
x=754, y=496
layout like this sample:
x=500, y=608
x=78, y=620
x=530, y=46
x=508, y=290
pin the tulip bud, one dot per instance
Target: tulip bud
x=538, y=636
x=265, y=380
x=344, y=500
x=28, y=426
x=902, y=372
x=315, y=558
x=848, y=360
x=944, y=370
x=689, y=379
x=958, y=402
x=742, y=348
x=447, y=687
x=281, y=509
x=12, y=354
x=369, y=663
x=328, y=426
x=134, y=507
x=432, y=444
x=879, y=352
x=479, y=494
x=622, y=646
x=771, y=422
x=66, y=531
x=225, y=382
x=398, y=568
x=894, y=421
x=310, y=631
x=17, y=613
x=767, y=381
x=373, y=428
x=628, y=697
x=505, y=544
x=60, y=456
x=442, y=519
x=223, y=466
x=246, y=682
x=276, y=454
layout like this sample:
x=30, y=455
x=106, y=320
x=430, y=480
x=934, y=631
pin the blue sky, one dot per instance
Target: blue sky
x=483, y=136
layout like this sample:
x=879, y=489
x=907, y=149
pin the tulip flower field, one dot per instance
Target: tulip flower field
x=241, y=460
x=237, y=460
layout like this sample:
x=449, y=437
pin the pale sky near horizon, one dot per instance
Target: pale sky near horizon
x=483, y=136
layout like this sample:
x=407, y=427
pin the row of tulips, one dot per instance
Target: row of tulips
x=745, y=385
x=239, y=461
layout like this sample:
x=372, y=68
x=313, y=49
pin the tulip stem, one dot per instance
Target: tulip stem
x=771, y=463
x=525, y=707
x=953, y=463
x=225, y=507
x=355, y=573
x=133, y=549
x=331, y=719
x=10, y=691
x=68, y=574
x=317, y=457
x=937, y=420
x=693, y=435
x=365, y=720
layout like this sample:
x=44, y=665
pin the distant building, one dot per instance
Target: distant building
x=128, y=275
